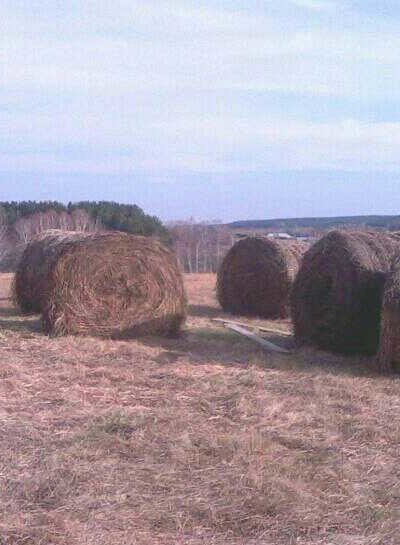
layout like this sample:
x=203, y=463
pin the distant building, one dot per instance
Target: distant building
x=281, y=236
x=302, y=235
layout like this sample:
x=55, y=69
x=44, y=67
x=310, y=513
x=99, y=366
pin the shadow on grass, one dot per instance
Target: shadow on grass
x=218, y=346
x=204, y=311
x=205, y=346
x=11, y=312
x=11, y=319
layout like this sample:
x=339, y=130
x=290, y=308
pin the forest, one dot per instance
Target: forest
x=199, y=247
x=21, y=221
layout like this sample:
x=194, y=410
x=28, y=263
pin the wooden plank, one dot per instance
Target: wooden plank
x=275, y=331
x=253, y=326
x=256, y=338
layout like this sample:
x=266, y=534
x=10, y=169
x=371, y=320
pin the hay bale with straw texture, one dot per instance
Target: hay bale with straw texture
x=337, y=295
x=256, y=276
x=11, y=257
x=30, y=281
x=389, y=343
x=110, y=284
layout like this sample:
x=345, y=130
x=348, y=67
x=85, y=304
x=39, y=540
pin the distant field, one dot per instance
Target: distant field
x=380, y=222
x=204, y=439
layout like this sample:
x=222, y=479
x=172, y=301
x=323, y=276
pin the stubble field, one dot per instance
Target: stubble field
x=203, y=439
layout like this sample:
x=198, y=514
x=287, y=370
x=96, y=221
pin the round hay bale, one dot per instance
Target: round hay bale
x=337, y=295
x=11, y=257
x=110, y=284
x=256, y=276
x=30, y=281
x=389, y=343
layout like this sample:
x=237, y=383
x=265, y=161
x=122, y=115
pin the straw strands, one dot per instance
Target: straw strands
x=389, y=345
x=106, y=284
x=337, y=295
x=256, y=276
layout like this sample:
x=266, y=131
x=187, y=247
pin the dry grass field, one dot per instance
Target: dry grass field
x=203, y=439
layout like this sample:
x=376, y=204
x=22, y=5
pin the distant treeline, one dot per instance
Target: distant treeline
x=200, y=247
x=391, y=223
x=110, y=215
x=21, y=221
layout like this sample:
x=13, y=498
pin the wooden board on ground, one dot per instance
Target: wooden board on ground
x=264, y=343
x=254, y=326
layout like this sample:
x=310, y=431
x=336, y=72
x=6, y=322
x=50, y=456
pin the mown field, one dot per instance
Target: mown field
x=203, y=439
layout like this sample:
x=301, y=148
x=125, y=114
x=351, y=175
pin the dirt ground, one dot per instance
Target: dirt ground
x=203, y=439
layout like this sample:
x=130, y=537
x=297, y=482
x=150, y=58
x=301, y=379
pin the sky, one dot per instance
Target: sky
x=211, y=109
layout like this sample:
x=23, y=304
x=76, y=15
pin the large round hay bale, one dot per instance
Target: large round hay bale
x=11, y=257
x=106, y=284
x=389, y=343
x=256, y=276
x=30, y=282
x=337, y=295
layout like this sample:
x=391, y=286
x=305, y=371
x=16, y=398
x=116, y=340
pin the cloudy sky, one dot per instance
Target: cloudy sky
x=217, y=109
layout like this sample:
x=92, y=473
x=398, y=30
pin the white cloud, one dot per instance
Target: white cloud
x=209, y=144
x=156, y=85
x=315, y=4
